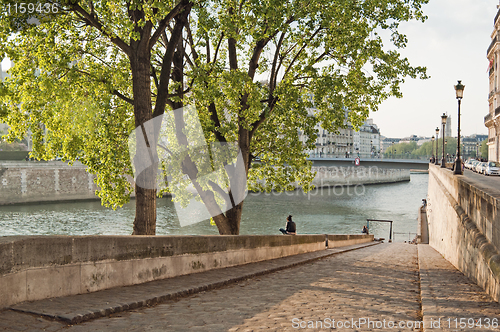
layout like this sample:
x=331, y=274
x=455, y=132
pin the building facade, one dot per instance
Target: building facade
x=366, y=140
x=447, y=127
x=346, y=143
x=387, y=142
x=492, y=119
x=471, y=146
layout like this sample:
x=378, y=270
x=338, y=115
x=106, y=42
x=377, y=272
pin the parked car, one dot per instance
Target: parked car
x=480, y=167
x=473, y=165
x=468, y=163
x=491, y=168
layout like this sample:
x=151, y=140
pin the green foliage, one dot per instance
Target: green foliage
x=401, y=149
x=327, y=55
x=483, y=150
x=425, y=149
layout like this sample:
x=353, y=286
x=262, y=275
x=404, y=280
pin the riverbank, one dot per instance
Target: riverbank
x=54, y=181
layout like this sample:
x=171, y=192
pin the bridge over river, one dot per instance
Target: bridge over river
x=370, y=162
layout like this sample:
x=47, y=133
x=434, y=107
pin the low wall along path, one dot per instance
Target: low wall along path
x=39, y=267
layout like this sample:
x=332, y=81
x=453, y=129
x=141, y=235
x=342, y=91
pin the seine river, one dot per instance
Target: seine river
x=333, y=211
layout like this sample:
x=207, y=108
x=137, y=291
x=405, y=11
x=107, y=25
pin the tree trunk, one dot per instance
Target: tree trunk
x=233, y=217
x=230, y=223
x=145, y=188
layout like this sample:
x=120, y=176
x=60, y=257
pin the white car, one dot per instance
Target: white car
x=468, y=163
x=480, y=167
x=491, y=168
x=473, y=165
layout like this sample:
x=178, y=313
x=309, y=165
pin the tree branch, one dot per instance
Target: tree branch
x=92, y=21
x=218, y=46
x=274, y=73
x=166, y=68
x=191, y=41
x=118, y=94
x=215, y=118
x=166, y=20
x=301, y=50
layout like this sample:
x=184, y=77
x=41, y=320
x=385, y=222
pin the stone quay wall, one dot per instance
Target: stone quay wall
x=357, y=175
x=26, y=182
x=38, y=267
x=464, y=226
x=52, y=181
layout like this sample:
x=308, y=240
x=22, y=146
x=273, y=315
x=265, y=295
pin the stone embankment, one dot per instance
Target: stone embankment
x=26, y=182
x=53, y=181
x=464, y=226
x=357, y=175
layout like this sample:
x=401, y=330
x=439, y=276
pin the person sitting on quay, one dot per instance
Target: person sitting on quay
x=365, y=230
x=290, y=227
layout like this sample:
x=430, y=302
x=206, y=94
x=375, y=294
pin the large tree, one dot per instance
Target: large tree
x=253, y=69
x=82, y=81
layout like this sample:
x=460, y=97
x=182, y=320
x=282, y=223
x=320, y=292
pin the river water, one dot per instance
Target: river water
x=341, y=210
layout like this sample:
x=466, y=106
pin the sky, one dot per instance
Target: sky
x=452, y=44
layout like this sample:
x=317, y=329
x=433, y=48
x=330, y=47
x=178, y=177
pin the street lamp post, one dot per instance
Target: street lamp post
x=432, y=153
x=443, y=121
x=436, y=162
x=459, y=89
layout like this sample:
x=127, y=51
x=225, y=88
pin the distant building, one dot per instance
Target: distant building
x=447, y=127
x=492, y=119
x=346, y=143
x=409, y=139
x=387, y=142
x=471, y=145
x=367, y=140
x=331, y=145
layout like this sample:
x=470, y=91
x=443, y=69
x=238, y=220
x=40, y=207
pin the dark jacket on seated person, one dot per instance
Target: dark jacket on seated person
x=290, y=227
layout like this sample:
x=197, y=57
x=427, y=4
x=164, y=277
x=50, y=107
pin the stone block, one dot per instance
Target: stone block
x=38, y=251
x=52, y=282
x=119, y=273
x=12, y=288
x=94, y=277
